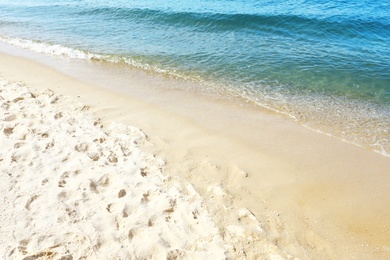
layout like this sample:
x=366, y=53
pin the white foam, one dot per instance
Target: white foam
x=50, y=49
x=64, y=51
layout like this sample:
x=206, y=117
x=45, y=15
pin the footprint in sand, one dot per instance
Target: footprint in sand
x=112, y=158
x=82, y=147
x=126, y=211
x=22, y=247
x=144, y=172
x=19, y=145
x=8, y=131
x=94, y=156
x=62, y=181
x=121, y=193
x=246, y=217
x=104, y=181
x=176, y=254
x=30, y=200
x=170, y=210
x=58, y=115
x=114, y=207
x=93, y=186
x=10, y=118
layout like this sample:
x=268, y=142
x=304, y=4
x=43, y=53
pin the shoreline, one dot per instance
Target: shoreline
x=314, y=195
x=353, y=121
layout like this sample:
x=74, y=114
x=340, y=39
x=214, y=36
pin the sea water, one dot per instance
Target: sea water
x=326, y=64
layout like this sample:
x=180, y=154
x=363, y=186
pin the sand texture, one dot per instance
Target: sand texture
x=270, y=187
x=73, y=189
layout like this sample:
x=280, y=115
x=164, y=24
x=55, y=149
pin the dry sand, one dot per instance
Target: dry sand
x=72, y=189
x=264, y=186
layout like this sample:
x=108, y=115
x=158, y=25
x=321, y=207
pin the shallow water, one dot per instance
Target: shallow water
x=326, y=65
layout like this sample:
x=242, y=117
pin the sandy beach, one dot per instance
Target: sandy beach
x=93, y=170
x=72, y=189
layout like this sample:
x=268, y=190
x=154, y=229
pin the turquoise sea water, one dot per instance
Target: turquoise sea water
x=327, y=65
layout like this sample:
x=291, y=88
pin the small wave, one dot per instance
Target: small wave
x=51, y=49
x=275, y=23
x=68, y=52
